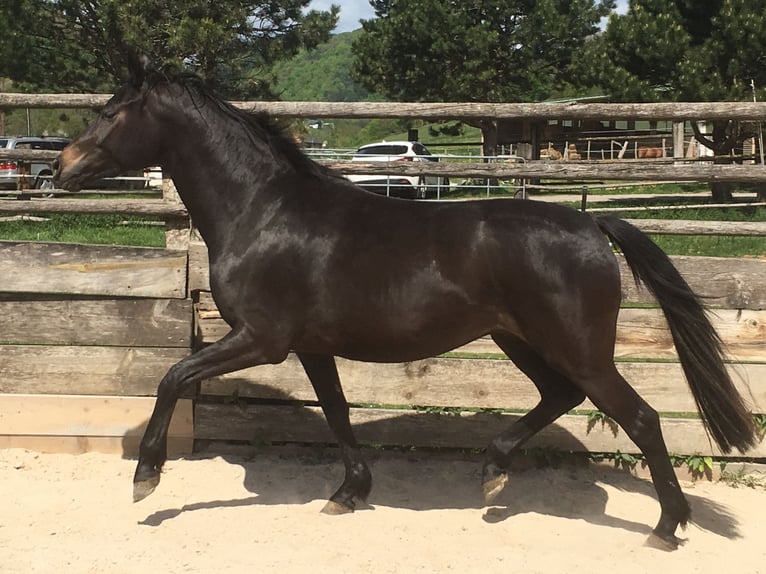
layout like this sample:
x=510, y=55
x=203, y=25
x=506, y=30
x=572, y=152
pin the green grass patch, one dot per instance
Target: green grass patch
x=93, y=229
x=710, y=245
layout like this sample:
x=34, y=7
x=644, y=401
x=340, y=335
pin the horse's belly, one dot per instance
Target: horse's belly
x=388, y=340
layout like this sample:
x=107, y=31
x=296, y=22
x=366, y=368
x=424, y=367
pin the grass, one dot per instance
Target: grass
x=94, y=229
x=710, y=245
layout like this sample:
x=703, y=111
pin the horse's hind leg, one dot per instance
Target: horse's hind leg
x=557, y=396
x=323, y=374
x=613, y=395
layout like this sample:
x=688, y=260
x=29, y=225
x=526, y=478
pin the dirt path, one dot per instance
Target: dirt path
x=66, y=514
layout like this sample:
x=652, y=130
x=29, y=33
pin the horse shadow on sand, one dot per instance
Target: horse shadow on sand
x=541, y=480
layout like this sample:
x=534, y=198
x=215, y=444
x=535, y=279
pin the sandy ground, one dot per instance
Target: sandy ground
x=73, y=514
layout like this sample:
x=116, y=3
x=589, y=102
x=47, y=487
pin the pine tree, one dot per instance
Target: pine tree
x=685, y=50
x=488, y=50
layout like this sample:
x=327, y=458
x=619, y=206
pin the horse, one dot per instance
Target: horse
x=650, y=152
x=303, y=261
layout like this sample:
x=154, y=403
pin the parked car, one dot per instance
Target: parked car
x=38, y=172
x=409, y=186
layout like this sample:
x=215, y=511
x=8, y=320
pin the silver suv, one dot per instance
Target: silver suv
x=38, y=172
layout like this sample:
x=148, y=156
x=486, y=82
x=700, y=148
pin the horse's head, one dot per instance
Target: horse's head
x=125, y=136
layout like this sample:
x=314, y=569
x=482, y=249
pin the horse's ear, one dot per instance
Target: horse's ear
x=138, y=63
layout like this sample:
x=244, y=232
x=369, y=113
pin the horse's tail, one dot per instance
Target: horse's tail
x=699, y=346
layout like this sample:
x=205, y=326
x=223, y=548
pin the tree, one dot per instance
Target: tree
x=473, y=50
x=322, y=74
x=233, y=44
x=685, y=50
x=36, y=54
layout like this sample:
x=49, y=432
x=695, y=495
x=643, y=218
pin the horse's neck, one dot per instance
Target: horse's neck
x=215, y=189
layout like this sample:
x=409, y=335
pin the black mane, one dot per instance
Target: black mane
x=260, y=126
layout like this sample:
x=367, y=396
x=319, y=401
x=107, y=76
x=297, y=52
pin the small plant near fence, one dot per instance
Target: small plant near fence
x=597, y=417
x=760, y=425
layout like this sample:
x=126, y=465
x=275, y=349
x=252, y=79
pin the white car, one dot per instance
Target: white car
x=409, y=186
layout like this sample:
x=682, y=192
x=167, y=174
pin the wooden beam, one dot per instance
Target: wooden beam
x=126, y=446
x=268, y=424
x=469, y=383
x=689, y=227
x=76, y=417
x=449, y=110
x=105, y=322
x=85, y=370
x=641, y=333
x=28, y=267
x=142, y=207
x=724, y=282
x=563, y=170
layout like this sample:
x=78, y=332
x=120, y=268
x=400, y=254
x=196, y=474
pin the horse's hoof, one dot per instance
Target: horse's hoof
x=494, y=486
x=144, y=488
x=334, y=508
x=667, y=543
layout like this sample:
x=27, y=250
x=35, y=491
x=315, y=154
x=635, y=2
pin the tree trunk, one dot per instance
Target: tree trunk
x=726, y=135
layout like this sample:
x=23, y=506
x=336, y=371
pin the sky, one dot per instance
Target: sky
x=351, y=11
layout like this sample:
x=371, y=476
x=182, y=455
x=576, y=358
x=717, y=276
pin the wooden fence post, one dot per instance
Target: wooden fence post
x=678, y=140
x=176, y=230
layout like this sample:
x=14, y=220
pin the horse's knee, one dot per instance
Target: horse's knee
x=174, y=382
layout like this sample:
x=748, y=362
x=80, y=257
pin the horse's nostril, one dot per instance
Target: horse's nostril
x=55, y=166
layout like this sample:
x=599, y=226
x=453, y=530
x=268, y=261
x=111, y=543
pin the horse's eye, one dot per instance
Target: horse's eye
x=108, y=113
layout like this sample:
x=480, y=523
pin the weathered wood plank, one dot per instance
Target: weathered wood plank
x=692, y=227
x=143, y=207
x=268, y=423
x=126, y=446
x=453, y=110
x=734, y=283
x=475, y=383
x=641, y=333
x=563, y=170
x=113, y=322
x=86, y=416
x=63, y=370
x=199, y=269
x=31, y=267
x=723, y=282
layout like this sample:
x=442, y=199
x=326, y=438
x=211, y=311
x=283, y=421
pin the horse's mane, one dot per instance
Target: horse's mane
x=260, y=126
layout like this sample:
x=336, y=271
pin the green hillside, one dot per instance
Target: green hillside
x=322, y=74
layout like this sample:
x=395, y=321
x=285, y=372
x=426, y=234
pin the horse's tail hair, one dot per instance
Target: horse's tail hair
x=699, y=346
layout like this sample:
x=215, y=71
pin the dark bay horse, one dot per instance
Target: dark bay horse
x=302, y=260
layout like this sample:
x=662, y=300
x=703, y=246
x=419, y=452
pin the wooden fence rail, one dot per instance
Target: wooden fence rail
x=88, y=331
x=752, y=111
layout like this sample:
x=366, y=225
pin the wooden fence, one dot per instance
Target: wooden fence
x=88, y=331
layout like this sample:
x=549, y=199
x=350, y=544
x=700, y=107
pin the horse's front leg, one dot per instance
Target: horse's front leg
x=323, y=374
x=237, y=350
